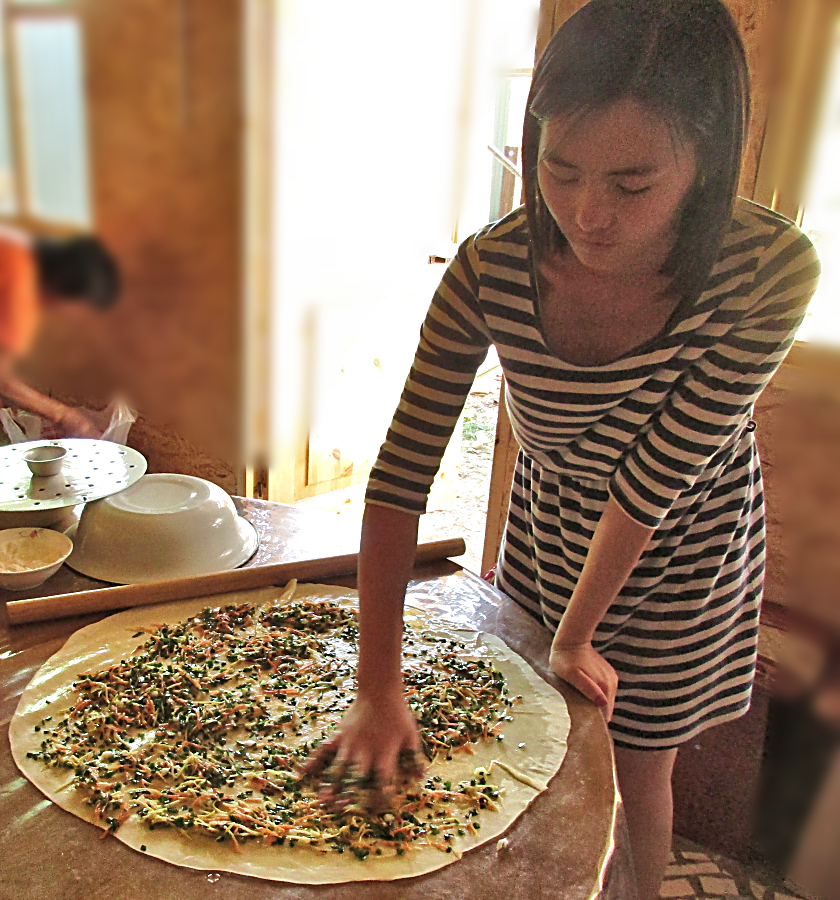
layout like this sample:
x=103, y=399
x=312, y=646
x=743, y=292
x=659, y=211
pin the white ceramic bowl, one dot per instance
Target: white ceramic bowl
x=162, y=527
x=59, y=518
x=28, y=556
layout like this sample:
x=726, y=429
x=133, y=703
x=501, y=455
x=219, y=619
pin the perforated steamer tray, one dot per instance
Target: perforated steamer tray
x=92, y=469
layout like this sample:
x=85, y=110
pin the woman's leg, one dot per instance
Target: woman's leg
x=644, y=777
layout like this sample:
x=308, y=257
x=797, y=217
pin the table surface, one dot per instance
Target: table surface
x=571, y=843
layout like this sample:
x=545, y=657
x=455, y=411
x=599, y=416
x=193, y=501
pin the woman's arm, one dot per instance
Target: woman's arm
x=616, y=547
x=712, y=400
x=379, y=725
x=453, y=342
x=709, y=404
x=386, y=558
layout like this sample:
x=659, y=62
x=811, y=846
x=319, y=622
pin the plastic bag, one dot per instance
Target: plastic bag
x=20, y=425
x=120, y=420
x=13, y=432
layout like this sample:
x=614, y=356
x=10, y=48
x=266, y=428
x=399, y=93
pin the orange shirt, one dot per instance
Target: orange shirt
x=19, y=301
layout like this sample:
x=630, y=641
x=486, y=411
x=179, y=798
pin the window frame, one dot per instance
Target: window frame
x=13, y=11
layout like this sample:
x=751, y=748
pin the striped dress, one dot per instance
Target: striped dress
x=665, y=430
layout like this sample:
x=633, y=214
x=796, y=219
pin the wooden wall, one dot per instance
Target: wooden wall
x=165, y=126
x=798, y=434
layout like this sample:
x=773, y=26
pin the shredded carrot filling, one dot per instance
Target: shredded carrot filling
x=206, y=728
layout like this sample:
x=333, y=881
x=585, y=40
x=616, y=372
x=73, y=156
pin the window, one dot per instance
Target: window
x=43, y=131
x=511, y=100
x=821, y=218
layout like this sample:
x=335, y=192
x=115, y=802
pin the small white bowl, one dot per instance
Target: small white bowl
x=45, y=460
x=28, y=556
x=162, y=527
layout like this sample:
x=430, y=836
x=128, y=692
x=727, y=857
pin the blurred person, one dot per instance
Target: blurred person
x=37, y=273
x=638, y=308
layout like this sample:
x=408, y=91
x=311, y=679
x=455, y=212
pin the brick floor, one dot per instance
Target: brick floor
x=694, y=872
x=676, y=887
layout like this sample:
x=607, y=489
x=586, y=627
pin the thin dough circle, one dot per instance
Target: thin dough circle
x=532, y=752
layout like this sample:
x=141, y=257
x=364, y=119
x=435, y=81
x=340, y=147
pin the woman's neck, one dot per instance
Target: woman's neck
x=644, y=279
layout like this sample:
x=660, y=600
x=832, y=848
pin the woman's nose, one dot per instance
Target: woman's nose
x=594, y=210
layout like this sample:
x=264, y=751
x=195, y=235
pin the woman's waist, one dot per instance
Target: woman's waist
x=596, y=469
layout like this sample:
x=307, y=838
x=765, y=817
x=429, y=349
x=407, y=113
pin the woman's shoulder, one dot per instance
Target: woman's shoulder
x=763, y=229
x=510, y=233
x=764, y=255
x=503, y=244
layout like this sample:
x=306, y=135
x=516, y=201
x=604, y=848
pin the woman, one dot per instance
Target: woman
x=37, y=273
x=638, y=310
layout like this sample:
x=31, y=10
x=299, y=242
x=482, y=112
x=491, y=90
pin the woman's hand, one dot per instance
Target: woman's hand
x=376, y=743
x=584, y=668
x=615, y=549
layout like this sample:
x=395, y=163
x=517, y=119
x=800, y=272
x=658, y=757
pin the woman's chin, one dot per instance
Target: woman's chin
x=597, y=256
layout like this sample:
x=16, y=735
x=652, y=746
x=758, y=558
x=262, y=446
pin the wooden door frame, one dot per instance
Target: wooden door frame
x=804, y=55
x=257, y=181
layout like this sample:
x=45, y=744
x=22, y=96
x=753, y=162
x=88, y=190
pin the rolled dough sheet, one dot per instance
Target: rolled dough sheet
x=522, y=764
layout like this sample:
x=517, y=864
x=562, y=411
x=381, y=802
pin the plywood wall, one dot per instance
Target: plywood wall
x=798, y=434
x=164, y=101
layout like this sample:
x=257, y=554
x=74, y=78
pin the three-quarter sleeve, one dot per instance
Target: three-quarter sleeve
x=714, y=398
x=454, y=340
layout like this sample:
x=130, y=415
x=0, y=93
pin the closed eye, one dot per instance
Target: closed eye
x=559, y=171
x=633, y=192
x=562, y=176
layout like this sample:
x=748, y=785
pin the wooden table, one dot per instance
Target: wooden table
x=570, y=844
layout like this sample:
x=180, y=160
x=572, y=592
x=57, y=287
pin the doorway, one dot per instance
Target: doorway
x=380, y=163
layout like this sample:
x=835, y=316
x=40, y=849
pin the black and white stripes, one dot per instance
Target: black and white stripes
x=664, y=430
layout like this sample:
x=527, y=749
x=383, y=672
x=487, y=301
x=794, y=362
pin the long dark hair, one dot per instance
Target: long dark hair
x=682, y=58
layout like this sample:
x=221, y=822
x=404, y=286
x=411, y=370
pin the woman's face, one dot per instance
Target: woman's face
x=614, y=180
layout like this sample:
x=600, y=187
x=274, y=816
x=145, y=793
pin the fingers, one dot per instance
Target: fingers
x=350, y=773
x=345, y=783
x=601, y=692
x=322, y=759
x=412, y=762
x=589, y=688
x=611, y=700
x=395, y=765
x=588, y=671
x=607, y=689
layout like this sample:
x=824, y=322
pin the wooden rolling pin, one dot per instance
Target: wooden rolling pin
x=59, y=606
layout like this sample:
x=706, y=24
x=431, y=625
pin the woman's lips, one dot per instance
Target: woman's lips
x=589, y=242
